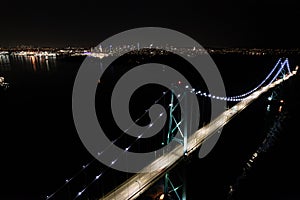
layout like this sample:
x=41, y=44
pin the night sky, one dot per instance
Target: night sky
x=212, y=23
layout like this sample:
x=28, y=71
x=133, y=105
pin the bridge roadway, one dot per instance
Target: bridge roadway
x=140, y=182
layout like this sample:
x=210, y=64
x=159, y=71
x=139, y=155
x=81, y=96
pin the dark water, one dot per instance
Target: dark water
x=40, y=147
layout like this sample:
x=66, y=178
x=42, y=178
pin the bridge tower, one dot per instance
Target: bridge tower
x=183, y=141
x=281, y=74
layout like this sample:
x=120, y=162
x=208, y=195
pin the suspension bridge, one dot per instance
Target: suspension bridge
x=133, y=187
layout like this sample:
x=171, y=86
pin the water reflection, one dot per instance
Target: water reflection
x=4, y=63
x=27, y=63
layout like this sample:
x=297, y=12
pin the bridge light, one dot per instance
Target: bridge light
x=162, y=196
x=113, y=162
x=280, y=109
x=270, y=98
